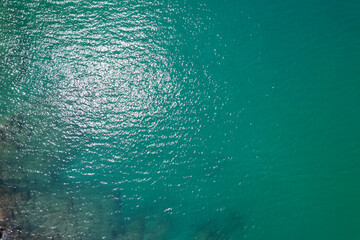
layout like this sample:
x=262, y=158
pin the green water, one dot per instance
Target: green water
x=205, y=119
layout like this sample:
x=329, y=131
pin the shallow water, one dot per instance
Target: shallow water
x=182, y=119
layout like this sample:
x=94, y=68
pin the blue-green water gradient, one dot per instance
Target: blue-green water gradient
x=239, y=116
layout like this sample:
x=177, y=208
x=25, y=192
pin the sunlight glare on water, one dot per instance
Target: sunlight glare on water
x=208, y=120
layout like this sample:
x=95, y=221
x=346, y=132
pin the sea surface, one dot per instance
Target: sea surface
x=180, y=120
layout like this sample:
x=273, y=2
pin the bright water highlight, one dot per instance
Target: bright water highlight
x=180, y=119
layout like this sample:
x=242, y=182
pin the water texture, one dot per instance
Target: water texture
x=180, y=120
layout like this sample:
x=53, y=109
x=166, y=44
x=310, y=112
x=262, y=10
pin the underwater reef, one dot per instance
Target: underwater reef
x=14, y=226
x=8, y=201
x=30, y=209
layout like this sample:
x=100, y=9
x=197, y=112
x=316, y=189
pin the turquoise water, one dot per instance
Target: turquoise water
x=182, y=119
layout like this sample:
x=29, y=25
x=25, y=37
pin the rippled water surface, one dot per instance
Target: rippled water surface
x=182, y=119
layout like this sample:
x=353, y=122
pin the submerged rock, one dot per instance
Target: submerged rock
x=8, y=202
x=210, y=234
x=145, y=229
x=133, y=231
x=57, y=222
x=156, y=229
x=8, y=233
x=219, y=229
x=2, y=135
x=13, y=226
x=13, y=132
